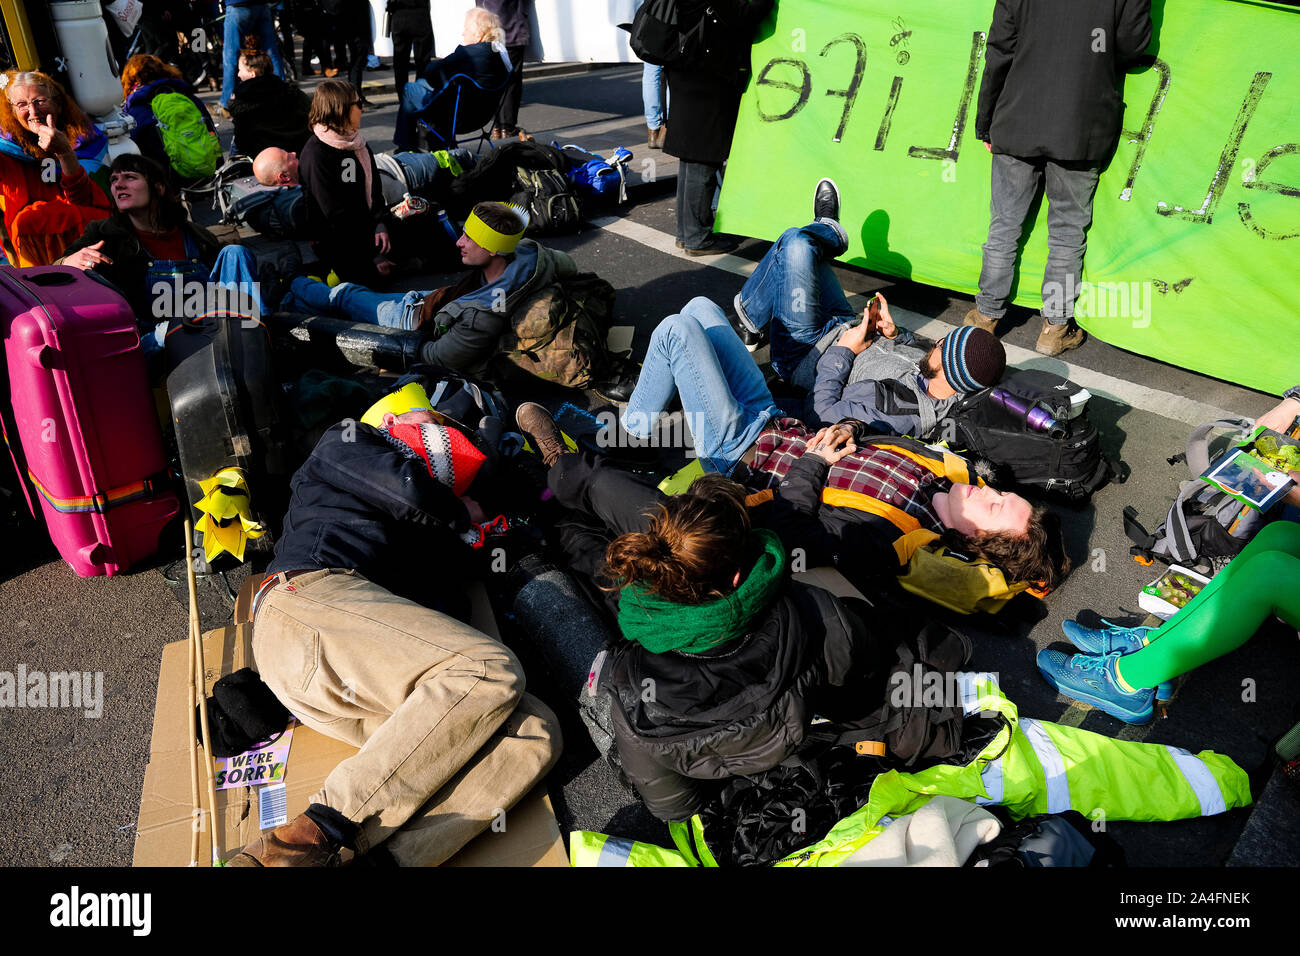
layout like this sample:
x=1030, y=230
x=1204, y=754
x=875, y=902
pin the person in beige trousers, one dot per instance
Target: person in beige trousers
x=448, y=739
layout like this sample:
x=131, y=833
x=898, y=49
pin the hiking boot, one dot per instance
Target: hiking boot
x=981, y=321
x=713, y=246
x=1108, y=639
x=826, y=200
x=1094, y=680
x=1055, y=339
x=300, y=842
x=661, y=134
x=536, y=422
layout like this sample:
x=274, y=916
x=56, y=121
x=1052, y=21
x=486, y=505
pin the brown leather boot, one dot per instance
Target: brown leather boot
x=536, y=422
x=299, y=842
x=1055, y=339
x=661, y=134
x=981, y=321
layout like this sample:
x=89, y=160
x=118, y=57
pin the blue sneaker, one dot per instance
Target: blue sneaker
x=1093, y=680
x=1113, y=638
x=1107, y=639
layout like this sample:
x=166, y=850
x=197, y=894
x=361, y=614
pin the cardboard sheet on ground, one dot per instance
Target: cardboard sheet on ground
x=1196, y=222
x=532, y=837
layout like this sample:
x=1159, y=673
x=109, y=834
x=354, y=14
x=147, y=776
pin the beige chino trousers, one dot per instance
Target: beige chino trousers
x=448, y=740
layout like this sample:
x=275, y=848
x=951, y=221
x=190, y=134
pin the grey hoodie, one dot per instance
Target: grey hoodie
x=882, y=386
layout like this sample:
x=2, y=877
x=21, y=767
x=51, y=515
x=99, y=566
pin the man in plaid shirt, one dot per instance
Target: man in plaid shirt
x=877, y=471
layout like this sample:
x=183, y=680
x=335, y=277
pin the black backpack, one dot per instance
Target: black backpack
x=550, y=199
x=658, y=38
x=1063, y=459
x=913, y=730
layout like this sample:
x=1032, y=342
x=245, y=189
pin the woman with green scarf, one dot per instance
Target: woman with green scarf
x=726, y=661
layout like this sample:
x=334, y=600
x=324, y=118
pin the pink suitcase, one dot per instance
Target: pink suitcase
x=89, y=435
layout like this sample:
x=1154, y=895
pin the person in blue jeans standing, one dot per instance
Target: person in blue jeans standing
x=246, y=18
x=652, y=99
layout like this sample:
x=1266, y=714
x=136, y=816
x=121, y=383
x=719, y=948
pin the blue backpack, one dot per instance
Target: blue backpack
x=595, y=177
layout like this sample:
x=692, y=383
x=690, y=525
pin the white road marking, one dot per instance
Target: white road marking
x=1168, y=405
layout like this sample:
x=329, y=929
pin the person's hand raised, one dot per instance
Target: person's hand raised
x=856, y=338
x=51, y=139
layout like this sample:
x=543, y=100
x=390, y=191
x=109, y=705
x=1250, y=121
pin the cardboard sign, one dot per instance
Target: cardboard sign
x=256, y=767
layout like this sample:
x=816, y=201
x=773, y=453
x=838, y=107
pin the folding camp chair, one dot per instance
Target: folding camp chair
x=460, y=107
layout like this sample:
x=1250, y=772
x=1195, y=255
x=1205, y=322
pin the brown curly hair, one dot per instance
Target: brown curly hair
x=1037, y=556
x=72, y=119
x=694, y=545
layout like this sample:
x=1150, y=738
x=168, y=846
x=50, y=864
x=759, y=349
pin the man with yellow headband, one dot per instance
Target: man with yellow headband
x=465, y=321
x=351, y=633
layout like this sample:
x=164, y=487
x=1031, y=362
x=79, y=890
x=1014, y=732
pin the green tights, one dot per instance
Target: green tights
x=1261, y=582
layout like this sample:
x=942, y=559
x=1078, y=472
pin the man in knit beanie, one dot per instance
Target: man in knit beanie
x=356, y=631
x=897, y=382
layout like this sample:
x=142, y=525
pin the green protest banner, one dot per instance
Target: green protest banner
x=1196, y=223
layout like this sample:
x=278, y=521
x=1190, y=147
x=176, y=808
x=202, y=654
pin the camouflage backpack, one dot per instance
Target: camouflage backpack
x=558, y=333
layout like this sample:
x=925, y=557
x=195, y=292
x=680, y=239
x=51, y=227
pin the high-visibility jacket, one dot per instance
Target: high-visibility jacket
x=1030, y=767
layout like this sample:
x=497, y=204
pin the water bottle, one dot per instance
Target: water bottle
x=448, y=225
x=1035, y=417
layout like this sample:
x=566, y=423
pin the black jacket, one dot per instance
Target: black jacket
x=341, y=217
x=359, y=504
x=686, y=722
x=478, y=61
x=705, y=96
x=267, y=111
x=1053, y=76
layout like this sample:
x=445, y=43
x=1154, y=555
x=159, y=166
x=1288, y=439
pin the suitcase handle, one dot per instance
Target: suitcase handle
x=43, y=356
x=51, y=278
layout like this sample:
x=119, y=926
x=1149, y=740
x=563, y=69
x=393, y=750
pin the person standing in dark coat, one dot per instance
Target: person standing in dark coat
x=706, y=100
x=1050, y=108
x=514, y=20
x=412, y=32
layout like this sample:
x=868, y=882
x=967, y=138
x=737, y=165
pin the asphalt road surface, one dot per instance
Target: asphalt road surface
x=70, y=783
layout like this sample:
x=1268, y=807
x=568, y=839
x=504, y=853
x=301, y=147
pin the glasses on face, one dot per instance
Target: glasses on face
x=40, y=104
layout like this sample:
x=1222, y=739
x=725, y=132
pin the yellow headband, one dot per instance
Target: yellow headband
x=409, y=398
x=499, y=243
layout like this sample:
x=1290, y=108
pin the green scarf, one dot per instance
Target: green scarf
x=661, y=625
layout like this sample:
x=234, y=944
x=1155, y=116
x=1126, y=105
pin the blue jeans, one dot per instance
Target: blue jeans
x=795, y=290
x=1069, y=189
x=253, y=19
x=351, y=300
x=422, y=170
x=697, y=355
x=652, y=99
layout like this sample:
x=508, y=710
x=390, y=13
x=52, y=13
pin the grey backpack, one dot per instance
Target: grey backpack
x=1206, y=528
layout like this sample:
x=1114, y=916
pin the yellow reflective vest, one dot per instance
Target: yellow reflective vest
x=1031, y=767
